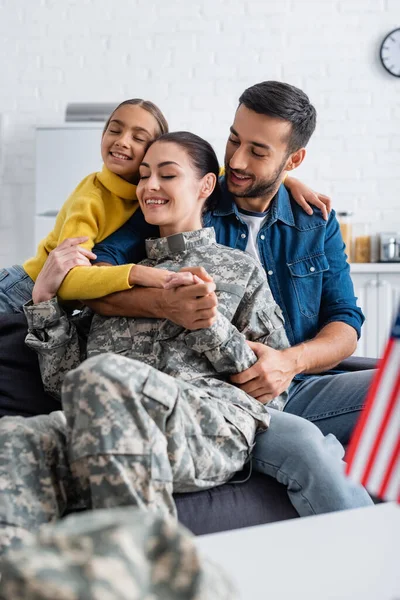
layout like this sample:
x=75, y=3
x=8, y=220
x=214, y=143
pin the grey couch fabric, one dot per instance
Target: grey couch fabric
x=260, y=499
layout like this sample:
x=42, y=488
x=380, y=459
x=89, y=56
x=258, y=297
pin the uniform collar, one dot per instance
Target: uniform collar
x=280, y=205
x=116, y=185
x=157, y=248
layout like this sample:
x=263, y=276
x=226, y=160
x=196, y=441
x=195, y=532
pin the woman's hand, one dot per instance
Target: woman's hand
x=59, y=262
x=304, y=196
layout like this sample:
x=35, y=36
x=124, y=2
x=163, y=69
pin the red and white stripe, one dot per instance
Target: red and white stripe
x=373, y=456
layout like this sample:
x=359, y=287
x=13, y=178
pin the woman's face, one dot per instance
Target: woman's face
x=170, y=192
x=125, y=140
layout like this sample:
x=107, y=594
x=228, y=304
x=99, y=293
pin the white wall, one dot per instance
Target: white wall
x=194, y=58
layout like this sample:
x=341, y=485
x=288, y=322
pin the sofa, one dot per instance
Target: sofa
x=249, y=499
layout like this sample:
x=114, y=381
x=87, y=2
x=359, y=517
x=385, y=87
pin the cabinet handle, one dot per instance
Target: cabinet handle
x=383, y=283
x=372, y=283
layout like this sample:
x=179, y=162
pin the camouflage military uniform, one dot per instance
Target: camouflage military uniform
x=119, y=554
x=150, y=411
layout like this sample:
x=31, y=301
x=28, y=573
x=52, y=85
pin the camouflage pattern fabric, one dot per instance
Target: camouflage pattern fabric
x=205, y=357
x=119, y=554
x=155, y=416
x=36, y=483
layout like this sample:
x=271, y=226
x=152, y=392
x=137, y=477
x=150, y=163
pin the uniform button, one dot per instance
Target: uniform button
x=262, y=237
x=243, y=236
x=270, y=272
x=312, y=269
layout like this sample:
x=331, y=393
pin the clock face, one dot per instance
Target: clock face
x=390, y=52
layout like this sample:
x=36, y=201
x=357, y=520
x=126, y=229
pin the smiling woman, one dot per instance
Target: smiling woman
x=173, y=194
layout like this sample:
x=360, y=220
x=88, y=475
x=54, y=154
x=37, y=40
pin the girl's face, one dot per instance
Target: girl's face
x=125, y=140
x=170, y=192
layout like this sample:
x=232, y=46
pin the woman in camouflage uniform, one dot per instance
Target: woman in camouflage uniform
x=151, y=411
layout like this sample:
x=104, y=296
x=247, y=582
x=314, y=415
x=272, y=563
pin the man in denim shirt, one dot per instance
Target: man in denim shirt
x=302, y=255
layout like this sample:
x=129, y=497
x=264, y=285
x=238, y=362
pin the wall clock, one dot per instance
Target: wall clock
x=390, y=52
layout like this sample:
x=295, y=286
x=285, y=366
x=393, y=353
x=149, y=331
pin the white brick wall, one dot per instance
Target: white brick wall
x=194, y=58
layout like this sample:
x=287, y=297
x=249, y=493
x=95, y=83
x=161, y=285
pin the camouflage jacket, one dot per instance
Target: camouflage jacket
x=204, y=358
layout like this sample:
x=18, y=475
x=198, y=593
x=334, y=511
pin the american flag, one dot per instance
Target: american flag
x=373, y=457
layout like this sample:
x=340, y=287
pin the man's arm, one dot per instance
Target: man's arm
x=340, y=324
x=275, y=369
x=192, y=307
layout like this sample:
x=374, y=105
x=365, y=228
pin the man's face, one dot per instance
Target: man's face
x=256, y=157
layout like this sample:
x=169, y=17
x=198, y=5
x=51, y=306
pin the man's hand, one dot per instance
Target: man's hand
x=271, y=374
x=59, y=262
x=192, y=306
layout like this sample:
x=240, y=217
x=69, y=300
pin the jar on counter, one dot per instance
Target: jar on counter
x=362, y=243
x=345, y=222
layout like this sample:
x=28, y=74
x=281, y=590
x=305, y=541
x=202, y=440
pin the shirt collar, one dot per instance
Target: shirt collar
x=280, y=205
x=116, y=185
x=166, y=247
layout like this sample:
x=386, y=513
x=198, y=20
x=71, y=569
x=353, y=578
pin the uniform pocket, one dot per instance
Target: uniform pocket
x=307, y=276
x=272, y=317
x=202, y=416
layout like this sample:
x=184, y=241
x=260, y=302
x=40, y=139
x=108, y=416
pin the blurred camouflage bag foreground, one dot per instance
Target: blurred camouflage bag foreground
x=113, y=554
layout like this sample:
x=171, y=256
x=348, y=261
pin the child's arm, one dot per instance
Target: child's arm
x=70, y=254
x=85, y=216
x=304, y=196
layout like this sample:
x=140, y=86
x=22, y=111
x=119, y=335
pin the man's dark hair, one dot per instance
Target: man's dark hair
x=283, y=101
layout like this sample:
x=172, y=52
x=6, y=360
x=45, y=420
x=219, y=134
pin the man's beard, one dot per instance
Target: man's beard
x=261, y=188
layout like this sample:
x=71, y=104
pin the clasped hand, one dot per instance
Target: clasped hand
x=269, y=376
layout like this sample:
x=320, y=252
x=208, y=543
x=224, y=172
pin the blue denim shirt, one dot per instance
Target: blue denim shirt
x=304, y=259
x=302, y=255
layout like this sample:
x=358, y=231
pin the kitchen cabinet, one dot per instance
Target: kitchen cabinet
x=377, y=286
x=65, y=154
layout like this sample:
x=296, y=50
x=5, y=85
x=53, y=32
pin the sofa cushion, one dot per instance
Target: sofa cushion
x=261, y=499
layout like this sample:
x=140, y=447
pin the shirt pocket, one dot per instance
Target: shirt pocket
x=3, y=274
x=307, y=276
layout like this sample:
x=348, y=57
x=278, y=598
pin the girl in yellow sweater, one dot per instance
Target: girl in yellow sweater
x=100, y=204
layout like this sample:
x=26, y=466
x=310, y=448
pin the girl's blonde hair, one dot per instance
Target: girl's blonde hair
x=146, y=105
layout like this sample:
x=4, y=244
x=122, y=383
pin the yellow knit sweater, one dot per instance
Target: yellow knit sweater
x=100, y=204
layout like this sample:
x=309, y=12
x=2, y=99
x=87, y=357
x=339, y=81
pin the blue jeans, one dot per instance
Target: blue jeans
x=309, y=464
x=333, y=402
x=15, y=289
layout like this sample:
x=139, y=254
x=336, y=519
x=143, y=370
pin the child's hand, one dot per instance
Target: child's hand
x=182, y=278
x=148, y=276
x=304, y=196
x=59, y=262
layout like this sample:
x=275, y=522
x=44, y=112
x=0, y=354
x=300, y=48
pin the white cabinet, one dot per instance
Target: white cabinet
x=65, y=154
x=377, y=287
